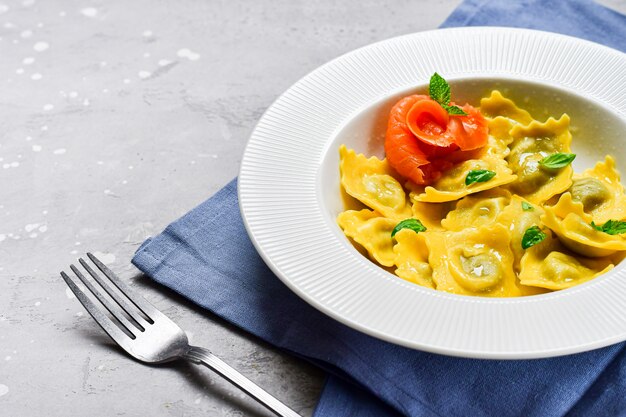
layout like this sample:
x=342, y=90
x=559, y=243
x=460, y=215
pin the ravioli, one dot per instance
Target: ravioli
x=412, y=258
x=517, y=220
x=573, y=227
x=372, y=231
x=475, y=261
x=373, y=183
x=430, y=214
x=477, y=210
x=451, y=185
x=530, y=145
x=600, y=192
x=500, y=130
x=477, y=235
x=550, y=265
x=503, y=114
x=496, y=105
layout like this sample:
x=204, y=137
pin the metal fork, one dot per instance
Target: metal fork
x=150, y=336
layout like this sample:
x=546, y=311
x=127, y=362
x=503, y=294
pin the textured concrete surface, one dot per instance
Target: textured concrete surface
x=115, y=119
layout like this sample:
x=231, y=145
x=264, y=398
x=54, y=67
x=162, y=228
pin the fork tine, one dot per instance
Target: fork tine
x=137, y=318
x=141, y=303
x=106, y=303
x=102, y=319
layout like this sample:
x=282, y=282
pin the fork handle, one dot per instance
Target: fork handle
x=204, y=357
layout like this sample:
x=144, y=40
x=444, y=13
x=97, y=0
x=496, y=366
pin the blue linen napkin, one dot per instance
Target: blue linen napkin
x=208, y=258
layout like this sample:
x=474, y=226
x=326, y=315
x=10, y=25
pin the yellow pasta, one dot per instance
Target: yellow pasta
x=600, y=192
x=573, y=227
x=532, y=143
x=530, y=226
x=475, y=261
x=517, y=220
x=412, y=258
x=477, y=210
x=451, y=186
x=372, y=182
x=503, y=114
x=496, y=105
x=549, y=265
x=430, y=214
x=371, y=231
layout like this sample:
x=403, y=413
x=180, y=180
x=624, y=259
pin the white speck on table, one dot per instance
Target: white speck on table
x=41, y=46
x=89, y=11
x=105, y=258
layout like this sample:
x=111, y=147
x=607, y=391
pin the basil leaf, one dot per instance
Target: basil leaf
x=612, y=227
x=532, y=236
x=454, y=110
x=557, y=160
x=527, y=207
x=413, y=224
x=479, y=175
x=439, y=90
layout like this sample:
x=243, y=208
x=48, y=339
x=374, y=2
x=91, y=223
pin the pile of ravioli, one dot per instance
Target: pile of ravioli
x=472, y=244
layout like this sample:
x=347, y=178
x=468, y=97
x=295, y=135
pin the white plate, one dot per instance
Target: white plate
x=289, y=187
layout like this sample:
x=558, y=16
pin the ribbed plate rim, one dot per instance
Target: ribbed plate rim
x=266, y=241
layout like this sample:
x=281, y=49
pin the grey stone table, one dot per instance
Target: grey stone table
x=116, y=118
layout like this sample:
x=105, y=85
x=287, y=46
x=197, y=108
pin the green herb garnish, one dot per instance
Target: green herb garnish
x=612, y=227
x=479, y=175
x=413, y=224
x=557, y=160
x=454, y=110
x=532, y=236
x=527, y=206
x=439, y=90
